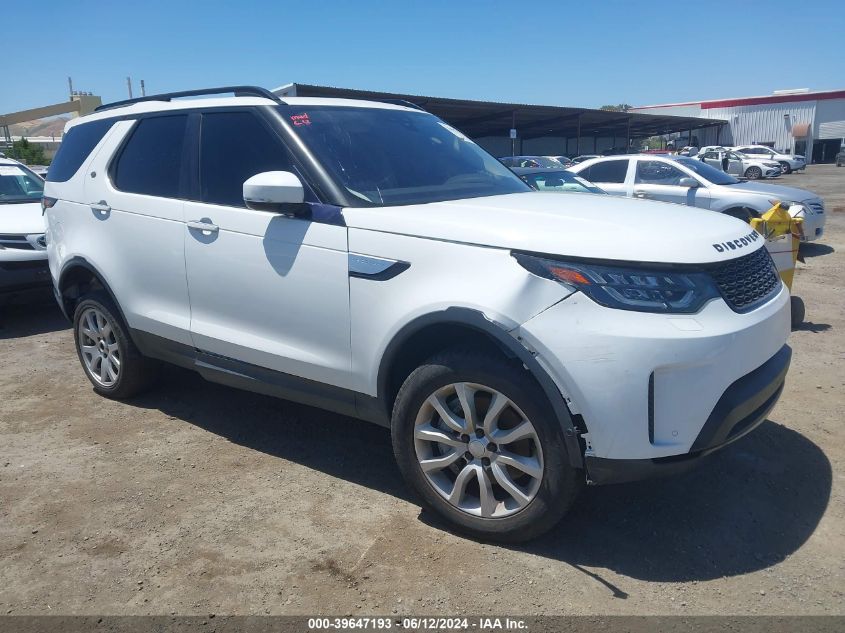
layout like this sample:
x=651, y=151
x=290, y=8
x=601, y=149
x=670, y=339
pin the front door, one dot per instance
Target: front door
x=266, y=289
x=659, y=180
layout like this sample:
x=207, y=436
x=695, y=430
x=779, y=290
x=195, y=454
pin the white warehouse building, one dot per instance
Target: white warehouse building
x=795, y=121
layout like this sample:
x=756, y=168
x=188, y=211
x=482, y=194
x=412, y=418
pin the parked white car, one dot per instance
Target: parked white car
x=740, y=165
x=368, y=258
x=787, y=162
x=23, y=251
x=694, y=183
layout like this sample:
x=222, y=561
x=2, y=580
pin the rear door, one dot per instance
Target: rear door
x=610, y=174
x=132, y=228
x=661, y=180
x=266, y=289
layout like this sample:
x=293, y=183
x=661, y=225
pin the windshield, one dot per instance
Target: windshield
x=393, y=157
x=716, y=176
x=560, y=180
x=18, y=184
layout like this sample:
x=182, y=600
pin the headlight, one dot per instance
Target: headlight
x=784, y=203
x=628, y=287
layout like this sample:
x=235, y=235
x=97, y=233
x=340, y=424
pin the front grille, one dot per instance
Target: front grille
x=747, y=281
x=16, y=241
x=817, y=207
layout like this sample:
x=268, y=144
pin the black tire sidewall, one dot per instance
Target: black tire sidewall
x=785, y=168
x=101, y=302
x=561, y=482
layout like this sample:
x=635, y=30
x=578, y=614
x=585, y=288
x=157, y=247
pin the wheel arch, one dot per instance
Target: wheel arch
x=77, y=277
x=426, y=335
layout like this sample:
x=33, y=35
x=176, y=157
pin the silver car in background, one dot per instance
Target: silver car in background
x=689, y=181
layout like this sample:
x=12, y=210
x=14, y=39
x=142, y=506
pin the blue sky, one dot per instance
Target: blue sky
x=562, y=52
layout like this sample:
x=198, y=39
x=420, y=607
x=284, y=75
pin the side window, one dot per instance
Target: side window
x=234, y=147
x=653, y=172
x=75, y=147
x=151, y=161
x=608, y=171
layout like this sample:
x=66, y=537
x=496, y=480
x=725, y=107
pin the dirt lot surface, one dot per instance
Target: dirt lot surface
x=198, y=499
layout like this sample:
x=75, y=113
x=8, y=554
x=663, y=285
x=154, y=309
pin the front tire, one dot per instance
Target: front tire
x=785, y=168
x=110, y=359
x=476, y=438
x=753, y=173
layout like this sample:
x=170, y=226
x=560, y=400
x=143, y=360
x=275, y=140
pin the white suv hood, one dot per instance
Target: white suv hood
x=575, y=225
x=21, y=219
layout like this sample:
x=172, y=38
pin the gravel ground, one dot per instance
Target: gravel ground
x=198, y=499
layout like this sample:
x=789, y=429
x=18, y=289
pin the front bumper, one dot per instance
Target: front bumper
x=740, y=410
x=21, y=275
x=646, y=384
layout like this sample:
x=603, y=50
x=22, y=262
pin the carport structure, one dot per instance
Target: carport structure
x=540, y=129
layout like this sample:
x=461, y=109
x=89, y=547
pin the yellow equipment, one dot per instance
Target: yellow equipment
x=783, y=236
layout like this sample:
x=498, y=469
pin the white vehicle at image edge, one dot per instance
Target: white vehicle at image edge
x=369, y=259
x=689, y=181
x=788, y=162
x=23, y=251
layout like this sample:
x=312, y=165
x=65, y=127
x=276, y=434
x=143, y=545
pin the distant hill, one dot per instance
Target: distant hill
x=51, y=126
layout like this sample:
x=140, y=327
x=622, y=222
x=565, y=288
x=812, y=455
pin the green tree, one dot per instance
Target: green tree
x=622, y=107
x=28, y=153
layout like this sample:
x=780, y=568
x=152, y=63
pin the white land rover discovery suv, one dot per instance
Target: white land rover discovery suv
x=368, y=258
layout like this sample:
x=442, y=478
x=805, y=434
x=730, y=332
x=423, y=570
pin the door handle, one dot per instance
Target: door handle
x=102, y=207
x=639, y=193
x=202, y=225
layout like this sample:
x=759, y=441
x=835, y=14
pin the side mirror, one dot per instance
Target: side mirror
x=691, y=183
x=275, y=191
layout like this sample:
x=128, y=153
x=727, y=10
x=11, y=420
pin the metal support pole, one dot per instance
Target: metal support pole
x=70, y=89
x=628, y=137
x=578, y=140
x=129, y=86
x=143, y=89
x=513, y=127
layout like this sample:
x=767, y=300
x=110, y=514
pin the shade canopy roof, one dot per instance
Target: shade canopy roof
x=480, y=119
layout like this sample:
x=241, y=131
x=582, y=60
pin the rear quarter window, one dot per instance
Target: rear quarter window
x=75, y=148
x=608, y=171
x=150, y=162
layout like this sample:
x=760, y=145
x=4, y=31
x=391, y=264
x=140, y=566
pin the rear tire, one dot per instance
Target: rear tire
x=108, y=356
x=469, y=479
x=753, y=173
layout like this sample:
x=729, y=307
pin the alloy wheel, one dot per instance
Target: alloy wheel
x=478, y=450
x=98, y=347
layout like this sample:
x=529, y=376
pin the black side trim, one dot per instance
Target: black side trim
x=241, y=375
x=476, y=320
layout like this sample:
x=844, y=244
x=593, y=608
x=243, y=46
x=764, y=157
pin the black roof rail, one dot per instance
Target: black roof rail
x=238, y=91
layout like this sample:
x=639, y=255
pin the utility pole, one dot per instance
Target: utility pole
x=143, y=89
x=129, y=86
x=70, y=88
